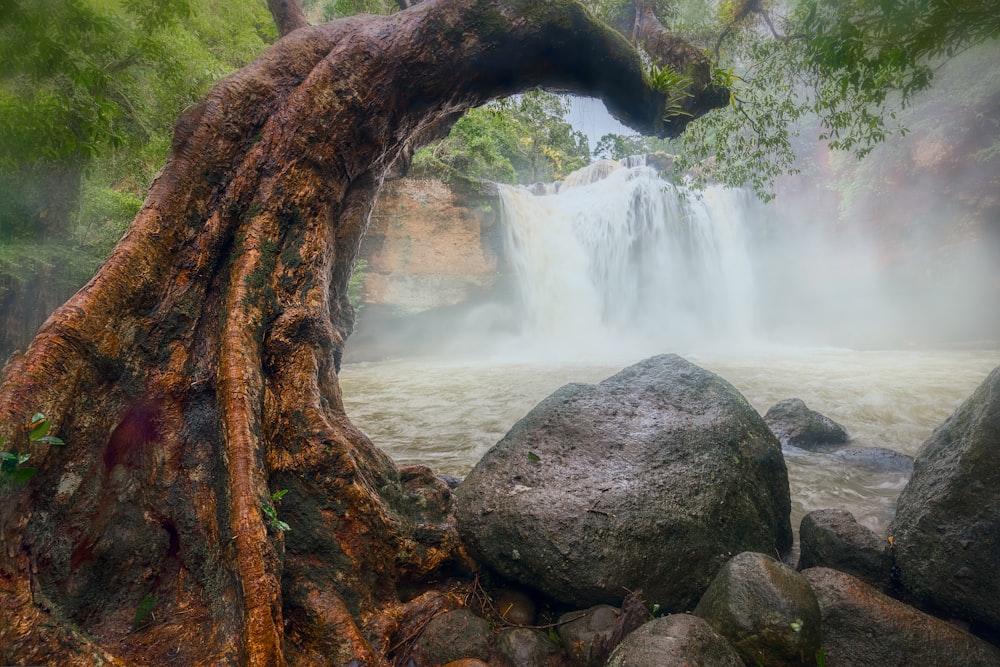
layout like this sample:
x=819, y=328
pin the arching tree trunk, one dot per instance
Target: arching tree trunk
x=194, y=377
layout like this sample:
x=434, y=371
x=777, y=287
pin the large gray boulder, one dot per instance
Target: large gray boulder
x=947, y=524
x=765, y=609
x=650, y=479
x=797, y=425
x=865, y=628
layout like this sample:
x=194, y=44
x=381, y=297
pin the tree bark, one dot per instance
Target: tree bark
x=196, y=374
x=288, y=15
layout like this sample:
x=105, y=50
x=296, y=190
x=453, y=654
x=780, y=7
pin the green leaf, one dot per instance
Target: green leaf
x=50, y=440
x=39, y=427
x=145, y=608
x=281, y=525
x=278, y=495
x=533, y=457
x=22, y=475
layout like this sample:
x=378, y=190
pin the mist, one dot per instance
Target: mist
x=897, y=251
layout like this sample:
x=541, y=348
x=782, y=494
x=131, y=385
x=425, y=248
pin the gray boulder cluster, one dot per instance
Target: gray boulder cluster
x=663, y=479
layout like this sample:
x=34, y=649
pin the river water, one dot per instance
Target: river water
x=619, y=265
x=448, y=413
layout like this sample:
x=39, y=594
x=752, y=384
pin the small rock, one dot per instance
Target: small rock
x=514, y=607
x=797, y=425
x=834, y=539
x=677, y=640
x=865, y=628
x=876, y=458
x=765, y=609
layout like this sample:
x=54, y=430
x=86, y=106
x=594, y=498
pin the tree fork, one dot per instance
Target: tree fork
x=196, y=374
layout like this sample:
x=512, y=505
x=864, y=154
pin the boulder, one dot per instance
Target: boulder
x=865, y=628
x=678, y=640
x=525, y=647
x=578, y=632
x=451, y=636
x=947, y=524
x=649, y=479
x=797, y=425
x=765, y=609
x=834, y=539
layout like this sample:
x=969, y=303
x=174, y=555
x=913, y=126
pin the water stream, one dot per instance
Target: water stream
x=618, y=265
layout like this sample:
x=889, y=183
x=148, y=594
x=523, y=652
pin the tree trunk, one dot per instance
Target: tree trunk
x=196, y=374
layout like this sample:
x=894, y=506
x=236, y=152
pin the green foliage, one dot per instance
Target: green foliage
x=621, y=146
x=269, y=507
x=35, y=432
x=838, y=70
x=676, y=87
x=523, y=139
x=96, y=85
x=144, y=611
x=327, y=10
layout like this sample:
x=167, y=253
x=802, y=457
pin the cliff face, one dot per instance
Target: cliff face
x=425, y=249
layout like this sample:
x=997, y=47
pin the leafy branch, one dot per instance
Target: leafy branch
x=12, y=468
x=676, y=87
x=269, y=507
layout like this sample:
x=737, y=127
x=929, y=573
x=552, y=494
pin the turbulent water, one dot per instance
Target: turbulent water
x=618, y=265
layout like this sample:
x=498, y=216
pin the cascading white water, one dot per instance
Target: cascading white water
x=618, y=257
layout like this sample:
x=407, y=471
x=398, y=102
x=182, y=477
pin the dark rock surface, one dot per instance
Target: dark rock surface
x=524, y=647
x=875, y=458
x=578, y=631
x=647, y=480
x=797, y=425
x=454, y=635
x=678, y=640
x=765, y=609
x=834, y=539
x=864, y=628
x=947, y=524
x=514, y=607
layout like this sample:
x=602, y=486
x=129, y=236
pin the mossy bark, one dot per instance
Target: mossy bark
x=196, y=374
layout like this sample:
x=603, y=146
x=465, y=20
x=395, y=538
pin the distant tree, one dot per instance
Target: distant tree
x=83, y=80
x=851, y=65
x=523, y=139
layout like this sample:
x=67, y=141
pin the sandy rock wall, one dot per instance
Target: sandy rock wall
x=425, y=249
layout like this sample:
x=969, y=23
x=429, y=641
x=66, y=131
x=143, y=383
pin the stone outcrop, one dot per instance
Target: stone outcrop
x=865, y=628
x=765, y=609
x=947, y=524
x=425, y=248
x=834, y=539
x=650, y=479
x=795, y=424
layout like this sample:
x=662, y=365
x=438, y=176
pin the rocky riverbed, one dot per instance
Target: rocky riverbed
x=644, y=520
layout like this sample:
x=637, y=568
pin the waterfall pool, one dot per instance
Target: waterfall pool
x=615, y=265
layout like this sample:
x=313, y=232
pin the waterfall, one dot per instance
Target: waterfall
x=617, y=257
